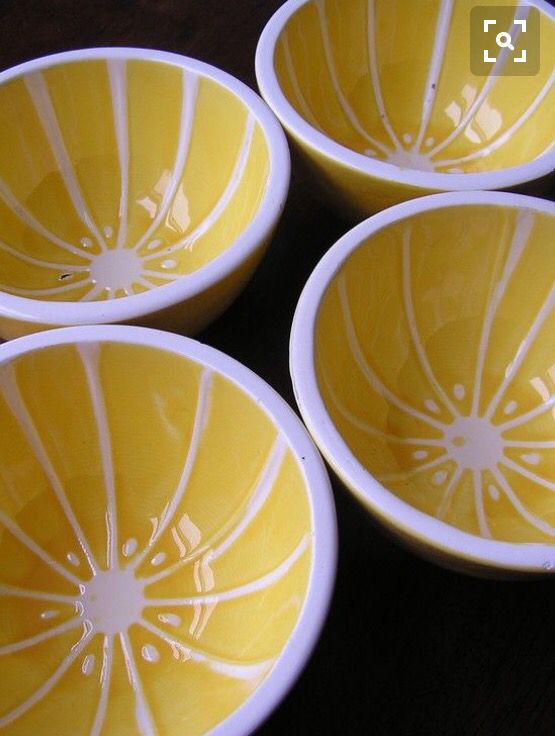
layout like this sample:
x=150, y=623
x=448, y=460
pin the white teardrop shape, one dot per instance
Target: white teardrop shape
x=510, y=407
x=88, y=665
x=172, y=619
x=459, y=391
x=86, y=242
x=370, y=152
x=431, y=405
x=130, y=547
x=420, y=454
x=149, y=653
x=73, y=559
x=158, y=559
x=439, y=477
x=407, y=138
x=455, y=170
x=46, y=615
x=108, y=231
x=494, y=492
x=532, y=458
x=430, y=141
x=169, y=263
x=154, y=244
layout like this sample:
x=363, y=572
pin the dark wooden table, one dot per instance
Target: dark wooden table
x=408, y=649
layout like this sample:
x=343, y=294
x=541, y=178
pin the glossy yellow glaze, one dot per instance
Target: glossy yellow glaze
x=395, y=86
x=434, y=357
x=118, y=176
x=123, y=470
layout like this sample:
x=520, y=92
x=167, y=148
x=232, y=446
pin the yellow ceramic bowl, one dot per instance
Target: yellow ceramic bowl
x=135, y=186
x=380, y=97
x=423, y=354
x=164, y=568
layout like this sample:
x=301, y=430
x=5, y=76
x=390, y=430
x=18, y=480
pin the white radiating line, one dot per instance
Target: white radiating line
x=539, y=444
x=38, y=90
x=479, y=504
x=142, y=711
x=410, y=472
x=13, y=398
x=201, y=418
x=504, y=137
x=161, y=275
x=369, y=429
x=92, y=293
x=222, y=203
x=90, y=355
x=484, y=92
x=105, y=679
x=522, y=351
x=117, y=73
x=20, y=535
x=64, y=288
x=413, y=326
x=528, y=416
x=375, y=74
x=216, y=664
x=257, y=498
x=523, y=227
x=27, y=218
x=528, y=474
x=189, y=98
x=432, y=83
x=47, y=686
x=255, y=586
x=39, y=262
x=448, y=493
x=307, y=112
x=365, y=369
x=343, y=101
x=18, y=646
x=37, y=595
x=532, y=519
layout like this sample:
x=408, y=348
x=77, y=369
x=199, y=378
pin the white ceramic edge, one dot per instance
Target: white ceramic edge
x=270, y=89
x=160, y=297
x=415, y=524
x=298, y=649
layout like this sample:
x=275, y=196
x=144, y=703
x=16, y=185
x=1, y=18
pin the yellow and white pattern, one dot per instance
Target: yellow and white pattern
x=155, y=555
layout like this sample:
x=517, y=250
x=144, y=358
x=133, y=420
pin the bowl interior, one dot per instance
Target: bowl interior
x=155, y=556
x=434, y=349
x=119, y=175
x=394, y=83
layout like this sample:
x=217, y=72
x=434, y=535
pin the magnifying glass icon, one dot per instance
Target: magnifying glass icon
x=504, y=40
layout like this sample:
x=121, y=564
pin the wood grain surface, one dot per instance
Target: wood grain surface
x=409, y=649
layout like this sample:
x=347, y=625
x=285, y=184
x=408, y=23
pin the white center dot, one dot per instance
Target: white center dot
x=116, y=269
x=112, y=601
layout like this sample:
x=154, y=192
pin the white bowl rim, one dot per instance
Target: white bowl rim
x=297, y=651
x=413, y=523
x=126, y=308
x=270, y=89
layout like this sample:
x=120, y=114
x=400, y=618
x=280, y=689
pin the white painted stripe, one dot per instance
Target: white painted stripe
x=365, y=369
x=432, y=83
x=479, y=504
x=529, y=475
x=143, y=716
x=46, y=688
x=92, y=293
x=416, y=470
x=63, y=289
x=343, y=102
x=448, y=493
x=413, y=325
x=201, y=418
x=225, y=199
x=20, y=535
x=162, y=275
x=32, y=641
x=523, y=227
x=375, y=75
x=539, y=444
x=528, y=416
x=301, y=99
x=504, y=137
x=38, y=595
x=228, y=668
x=28, y=219
x=105, y=679
x=188, y=107
x=38, y=91
x=39, y=262
x=531, y=518
x=14, y=400
x=117, y=73
x=522, y=351
x=90, y=356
